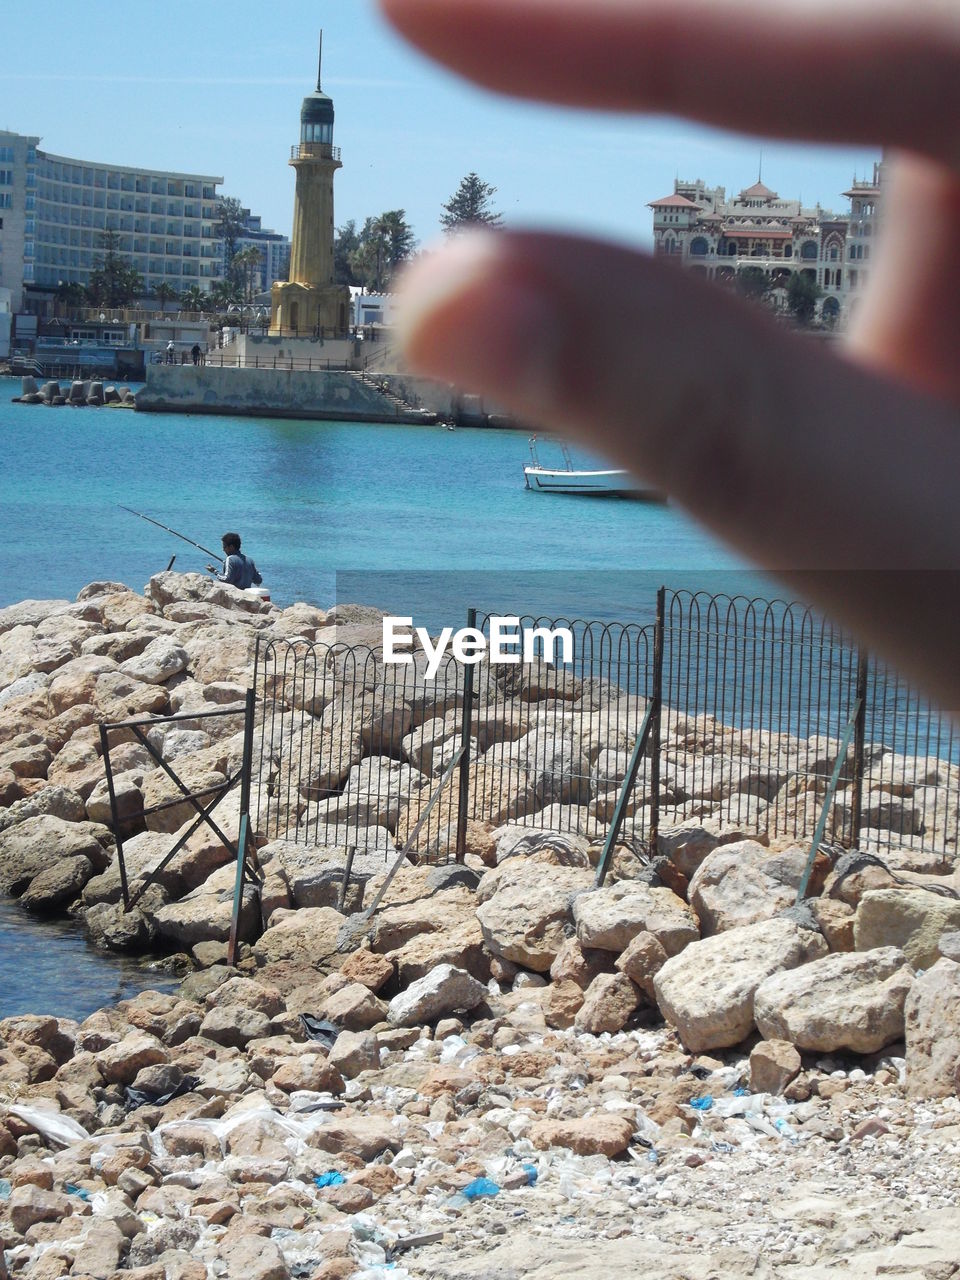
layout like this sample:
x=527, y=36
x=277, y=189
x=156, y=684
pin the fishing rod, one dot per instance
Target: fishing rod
x=217, y=555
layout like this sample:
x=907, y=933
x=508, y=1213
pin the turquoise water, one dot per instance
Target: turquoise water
x=314, y=499
x=417, y=519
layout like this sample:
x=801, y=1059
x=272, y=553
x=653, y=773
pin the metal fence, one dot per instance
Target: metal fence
x=750, y=699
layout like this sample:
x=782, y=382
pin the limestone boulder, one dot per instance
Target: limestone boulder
x=642, y=960
x=444, y=990
x=743, y=882
x=850, y=1001
x=932, y=1032
x=55, y=802
x=600, y=1134
x=529, y=913
x=159, y=662
x=59, y=885
x=688, y=844
x=205, y=914
x=609, y=918
x=608, y=1003
x=707, y=991
x=41, y=843
x=308, y=937
x=773, y=1065
x=911, y=919
x=354, y=1007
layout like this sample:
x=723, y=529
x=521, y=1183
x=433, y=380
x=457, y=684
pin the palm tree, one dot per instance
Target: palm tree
x=194, y=299
x=246, y=264
x=164, y=293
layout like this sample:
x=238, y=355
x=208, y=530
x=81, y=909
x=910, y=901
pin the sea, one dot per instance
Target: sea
x=417, y=520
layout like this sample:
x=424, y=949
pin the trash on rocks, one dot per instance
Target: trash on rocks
x=703, y=1103
x=479, y=1188
x=332, y=1178
x=73, y=1190
x=52, y=1125
x=320, y=1030
x=5, y=1188
x=146, y=1098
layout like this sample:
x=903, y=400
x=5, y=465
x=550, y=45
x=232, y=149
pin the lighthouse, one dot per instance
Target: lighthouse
x=311, y=303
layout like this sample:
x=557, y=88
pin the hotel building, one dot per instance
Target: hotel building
x=54, y=210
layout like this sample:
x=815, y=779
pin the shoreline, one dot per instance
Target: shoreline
x=511, y=1053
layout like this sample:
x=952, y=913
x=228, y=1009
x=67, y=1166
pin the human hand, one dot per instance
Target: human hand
x=841, y=464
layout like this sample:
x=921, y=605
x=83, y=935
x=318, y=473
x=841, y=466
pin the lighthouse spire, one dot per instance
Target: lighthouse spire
x=319, y=60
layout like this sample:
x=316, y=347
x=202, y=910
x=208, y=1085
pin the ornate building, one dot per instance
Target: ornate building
x=701, y=229
x=310, y=302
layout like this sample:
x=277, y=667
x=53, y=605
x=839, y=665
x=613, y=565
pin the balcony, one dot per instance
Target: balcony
x=315, y=151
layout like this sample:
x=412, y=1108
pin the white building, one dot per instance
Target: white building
x=698, y=227
x=6, y=320
x=55, y=209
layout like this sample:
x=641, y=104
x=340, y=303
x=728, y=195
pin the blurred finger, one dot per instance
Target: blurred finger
x=849, y=70
x=802, y=460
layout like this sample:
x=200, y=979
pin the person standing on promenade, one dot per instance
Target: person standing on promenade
x=195, y=352
x=836, y=462
x=238, y=569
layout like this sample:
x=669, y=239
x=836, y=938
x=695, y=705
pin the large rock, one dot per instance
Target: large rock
x=611, y=917
x=41, y=843
x=55, y=802
x=707, y=991
x=608, y=1003
x=849, y=1000
x=528, y=915
x=912, y=919
x=205, y=914
x=743, y=882
x=599, y=1134
x=308, y=937
x=443, y=990
x=159, y=662
x=932, y=1032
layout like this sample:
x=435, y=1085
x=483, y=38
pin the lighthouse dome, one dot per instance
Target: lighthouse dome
x=317, y=109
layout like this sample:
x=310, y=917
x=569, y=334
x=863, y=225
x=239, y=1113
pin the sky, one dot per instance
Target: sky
x=215, y=89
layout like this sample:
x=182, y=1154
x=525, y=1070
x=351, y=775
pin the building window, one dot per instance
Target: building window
x=809, y=250
x=699, y=247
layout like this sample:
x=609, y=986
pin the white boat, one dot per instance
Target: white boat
x=608, y=483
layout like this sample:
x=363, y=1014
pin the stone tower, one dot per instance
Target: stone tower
x=310, y=302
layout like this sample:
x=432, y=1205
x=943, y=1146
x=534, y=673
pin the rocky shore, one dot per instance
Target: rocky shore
x=503, y=1071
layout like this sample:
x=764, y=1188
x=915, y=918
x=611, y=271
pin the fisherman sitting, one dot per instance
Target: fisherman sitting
x=238, y=569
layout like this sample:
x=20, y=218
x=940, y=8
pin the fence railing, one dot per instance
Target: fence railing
x=749, y=703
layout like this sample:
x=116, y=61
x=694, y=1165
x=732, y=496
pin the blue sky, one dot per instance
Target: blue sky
x=216, y=89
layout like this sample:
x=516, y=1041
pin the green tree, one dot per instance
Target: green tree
x=802, y=295
x=346, y=242
x=164, y=293
x=71, y=296
x=753, y=283
x=223, y=293
x=383, y=244
x=247, y=263
x=194, y=299
x=470, y=206
x=113, y=282
x=229, y=227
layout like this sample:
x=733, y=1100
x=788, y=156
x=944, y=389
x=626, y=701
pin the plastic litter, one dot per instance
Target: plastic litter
x=479, y=1188
x=73, y=1190
x=329, y=1179
x=785, y=1129
x=320, y=1030
x=52, y=1125
x=5, y=1188
x=703, y=1103
x=532, y=1173
x=146, y=1098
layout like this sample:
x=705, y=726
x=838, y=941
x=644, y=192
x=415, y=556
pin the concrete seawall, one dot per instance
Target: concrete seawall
x=264, y=393
x=336, y=394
